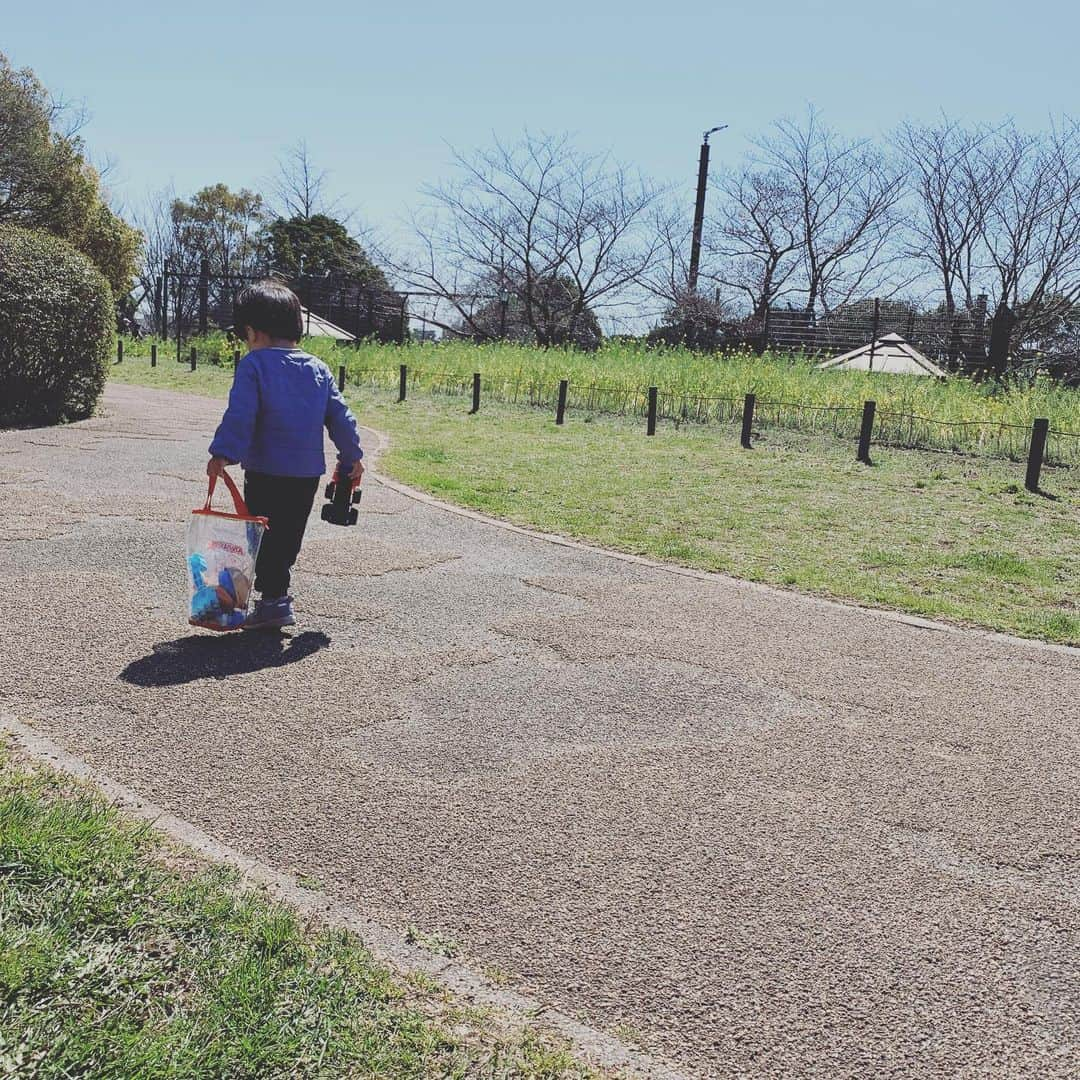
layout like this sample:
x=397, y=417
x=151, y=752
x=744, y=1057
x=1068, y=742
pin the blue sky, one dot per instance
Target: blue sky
x=208, y=92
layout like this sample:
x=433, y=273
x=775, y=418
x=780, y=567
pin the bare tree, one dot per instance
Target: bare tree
x=664, y=279
x=844, y=196
x=998, y=215
x=1030, y=227
x=299, y=186
x=154, y=220
x=558, y=231
x=756, y=239
x=952, y=188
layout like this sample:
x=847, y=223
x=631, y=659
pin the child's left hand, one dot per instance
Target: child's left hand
x=216, y=466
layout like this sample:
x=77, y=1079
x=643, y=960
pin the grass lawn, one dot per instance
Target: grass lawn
x=116, y=962
x=939, y=535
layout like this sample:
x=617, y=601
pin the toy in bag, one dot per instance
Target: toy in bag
x=222, y=549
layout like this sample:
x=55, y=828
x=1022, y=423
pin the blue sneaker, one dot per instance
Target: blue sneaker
x=271, y=614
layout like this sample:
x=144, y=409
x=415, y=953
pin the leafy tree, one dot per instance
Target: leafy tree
x=319, y=246
x=46, y=182
x=223, y=227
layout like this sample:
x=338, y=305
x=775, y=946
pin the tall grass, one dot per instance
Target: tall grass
x=791, y=391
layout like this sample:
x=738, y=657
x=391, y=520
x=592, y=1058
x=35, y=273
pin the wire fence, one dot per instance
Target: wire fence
x=892, y=428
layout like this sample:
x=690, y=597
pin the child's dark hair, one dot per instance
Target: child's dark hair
x=271, y=307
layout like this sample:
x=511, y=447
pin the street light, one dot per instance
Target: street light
x=699, y=207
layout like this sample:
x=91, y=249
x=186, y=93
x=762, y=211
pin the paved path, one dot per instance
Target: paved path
x=767, y=835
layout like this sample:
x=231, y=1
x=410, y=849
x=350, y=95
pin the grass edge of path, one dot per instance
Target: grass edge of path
x=126, y=954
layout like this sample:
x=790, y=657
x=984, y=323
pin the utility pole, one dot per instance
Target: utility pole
x=699, y=208
x=165, y=302
x=204, y=296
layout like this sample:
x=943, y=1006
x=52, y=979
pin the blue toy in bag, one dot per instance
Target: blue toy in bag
x=222, y=549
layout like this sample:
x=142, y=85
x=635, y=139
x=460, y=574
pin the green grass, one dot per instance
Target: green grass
x=957, y=414
x=114, y=963
x=938, y=535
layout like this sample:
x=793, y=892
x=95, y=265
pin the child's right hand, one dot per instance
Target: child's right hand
x=356, y=472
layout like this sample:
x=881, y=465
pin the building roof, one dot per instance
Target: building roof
x=317, y=326
x=890, y=354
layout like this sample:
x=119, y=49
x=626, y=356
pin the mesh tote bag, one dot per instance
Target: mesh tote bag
x=221, y=553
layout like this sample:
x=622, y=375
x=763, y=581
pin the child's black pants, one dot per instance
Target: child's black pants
x=286, y=501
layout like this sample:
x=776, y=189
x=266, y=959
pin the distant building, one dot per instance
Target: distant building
x=317, y=326
x=890, y=354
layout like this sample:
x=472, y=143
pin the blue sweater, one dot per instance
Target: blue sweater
x=279, y=403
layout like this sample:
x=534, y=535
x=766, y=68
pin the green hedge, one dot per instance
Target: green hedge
x=57, y=329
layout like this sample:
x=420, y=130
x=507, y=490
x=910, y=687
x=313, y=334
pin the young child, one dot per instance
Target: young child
x=281, y=399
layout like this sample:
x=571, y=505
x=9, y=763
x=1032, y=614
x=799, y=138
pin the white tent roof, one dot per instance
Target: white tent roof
x=317, y=326
x=891, y=354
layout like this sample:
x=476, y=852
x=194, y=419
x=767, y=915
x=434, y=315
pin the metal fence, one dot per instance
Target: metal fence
x=957, y=341
x=186, y=303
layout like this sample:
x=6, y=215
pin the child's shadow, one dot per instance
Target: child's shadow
x=199, y=657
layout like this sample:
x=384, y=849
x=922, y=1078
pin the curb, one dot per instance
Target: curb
x=382, y=444
x=387, y=946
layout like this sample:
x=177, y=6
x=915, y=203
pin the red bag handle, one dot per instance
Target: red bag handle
x=238, y=500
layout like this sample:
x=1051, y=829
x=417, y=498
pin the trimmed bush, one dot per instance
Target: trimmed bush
x=57, y=329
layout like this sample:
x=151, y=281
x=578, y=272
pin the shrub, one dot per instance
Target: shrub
x=56, y=329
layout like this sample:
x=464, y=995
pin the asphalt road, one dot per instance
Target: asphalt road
x=761, y=834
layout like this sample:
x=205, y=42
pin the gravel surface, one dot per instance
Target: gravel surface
x=757, y=833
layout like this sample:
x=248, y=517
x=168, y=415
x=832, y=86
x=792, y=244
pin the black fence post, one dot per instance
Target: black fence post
x=403, y=382
x=119, y=350
x=560, y=412
x=153, y=354
x=475, y=393
x=748, y=421
x=650, y=428
x=1036, y=453
x=194, y=357
x=235, y=357
x=866, y=432
x=341, y=377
